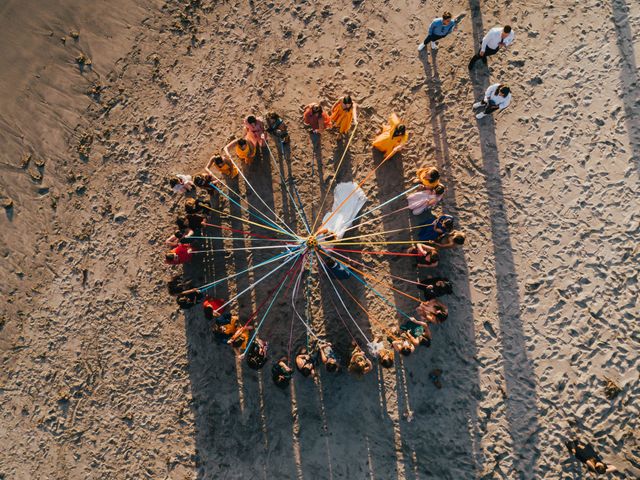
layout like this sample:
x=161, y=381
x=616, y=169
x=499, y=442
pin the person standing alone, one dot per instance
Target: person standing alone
x=495, y=38
x=440, y=28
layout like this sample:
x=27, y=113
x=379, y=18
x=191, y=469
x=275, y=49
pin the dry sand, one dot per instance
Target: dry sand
x=102, y=376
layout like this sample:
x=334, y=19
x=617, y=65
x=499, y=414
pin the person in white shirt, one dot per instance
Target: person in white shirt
x=181, y=183
x=495, y=38
x=497, y=97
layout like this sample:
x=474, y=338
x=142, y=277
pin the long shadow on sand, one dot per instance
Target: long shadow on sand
x=234, y=411
x=245, y=427
x=521, y=396
x=438, y=429
x=629, y=76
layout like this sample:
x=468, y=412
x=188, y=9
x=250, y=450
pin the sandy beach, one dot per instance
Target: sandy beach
x=104, y=377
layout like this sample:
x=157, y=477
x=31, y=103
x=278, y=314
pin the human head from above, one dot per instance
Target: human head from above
x=504, y=90
x=433, y=256
x=346, y=100
x=433, y=174
x=173, y=181
x=190, y=205
x=251, y=119
x=218, y=160
x=200, y=180
x=238, y=341
x=439, y=190
x=182, y=222
x=446, y=18
x=208, y=312
x=506, y=31
x=405, y=348
x=331, y=365
x=386, y=358
x=444, y=286
x=400, y=130
x=446, y=222
x=440, y=315
x=272, y=117
x=458, y=238
x=170, y=257
x=316, y=108
x=596, y=465
x=184, y=301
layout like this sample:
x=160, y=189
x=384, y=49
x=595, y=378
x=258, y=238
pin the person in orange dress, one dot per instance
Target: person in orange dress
x=224, y=166
x=244, y=149
x=393, y=137
x=343, y=113
x=316, y=118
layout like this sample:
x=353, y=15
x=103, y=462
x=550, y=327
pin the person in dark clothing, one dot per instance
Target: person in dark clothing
x=189, y=298
x=435, y=287
x=177, y=284
x=434, y=227
x=337, y=269
x=277, y=127
x=204, y=181
x=281, y=372
x=257, y=354
x=585, y=452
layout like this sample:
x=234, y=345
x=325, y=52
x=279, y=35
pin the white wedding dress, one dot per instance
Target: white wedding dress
x=345, y=214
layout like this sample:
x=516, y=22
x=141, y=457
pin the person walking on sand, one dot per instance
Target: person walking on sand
x=343, y=114
x=495, y=38
x=585, y=452
x=497, y=97
x=316, y=118
x=440, y=28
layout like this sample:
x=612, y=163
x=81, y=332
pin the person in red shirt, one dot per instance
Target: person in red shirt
x=179, y=255
x=212, y=308
x=317, y=119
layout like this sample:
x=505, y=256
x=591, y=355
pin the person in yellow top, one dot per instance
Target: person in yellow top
x=223, y=165
x=240, y=339
x=393, y=137
x=429, y=177
x=343, y=113
x=245, y=150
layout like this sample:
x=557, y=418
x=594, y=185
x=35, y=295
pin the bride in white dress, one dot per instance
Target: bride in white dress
x=339, y=219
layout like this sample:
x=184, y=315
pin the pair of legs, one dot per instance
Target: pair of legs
x=487, y=53
x=489, y=108
x=432, y=38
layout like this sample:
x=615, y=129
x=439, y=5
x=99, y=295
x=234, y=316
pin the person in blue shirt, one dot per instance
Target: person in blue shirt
x=440, y=28
x=434, y=227
x=338, y=270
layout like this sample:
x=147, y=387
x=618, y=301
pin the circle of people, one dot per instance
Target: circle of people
x=436, y=233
